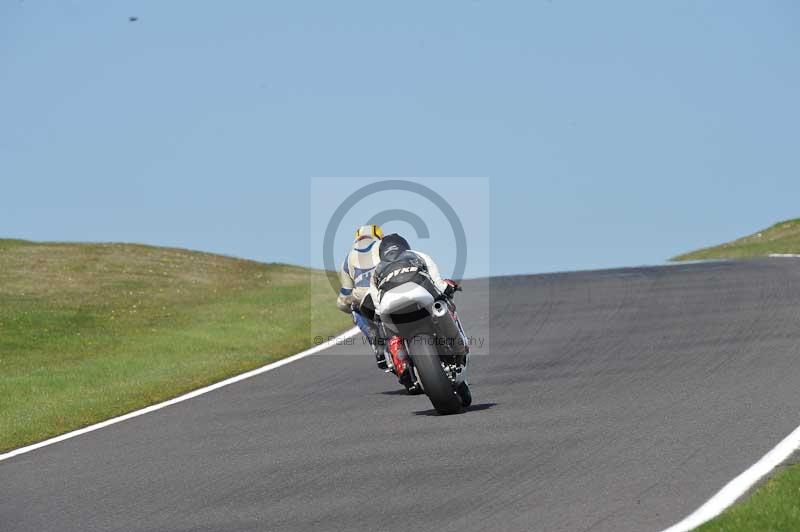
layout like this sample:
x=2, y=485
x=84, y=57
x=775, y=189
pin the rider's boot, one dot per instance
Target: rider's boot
x=402, y=369
x=379, y=348
x=397, y=352
x=370, y=331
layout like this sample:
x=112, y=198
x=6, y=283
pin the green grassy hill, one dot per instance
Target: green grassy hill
x=783, y=237
x=91, y=331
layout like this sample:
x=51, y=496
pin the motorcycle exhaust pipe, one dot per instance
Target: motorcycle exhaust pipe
x=446, y=327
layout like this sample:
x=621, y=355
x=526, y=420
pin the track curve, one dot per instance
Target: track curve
x=609, y=400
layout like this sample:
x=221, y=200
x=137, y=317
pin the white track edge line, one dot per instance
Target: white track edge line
x=737, y=487
x=200, y=391
x=785, y=255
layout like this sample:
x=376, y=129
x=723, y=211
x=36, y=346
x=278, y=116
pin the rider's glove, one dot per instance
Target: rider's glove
x=452, y=287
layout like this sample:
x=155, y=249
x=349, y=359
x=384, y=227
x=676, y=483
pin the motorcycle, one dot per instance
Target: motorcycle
x=425, y=326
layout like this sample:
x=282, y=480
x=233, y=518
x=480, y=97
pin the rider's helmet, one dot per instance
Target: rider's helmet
x=392, y=246
x=369, y=231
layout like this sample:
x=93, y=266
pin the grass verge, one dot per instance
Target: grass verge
x=774, y=507
x=783, y=237
x=92, y=331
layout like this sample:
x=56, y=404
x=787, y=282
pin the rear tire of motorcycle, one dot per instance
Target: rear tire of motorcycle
x=465, y=394
x=434, y=380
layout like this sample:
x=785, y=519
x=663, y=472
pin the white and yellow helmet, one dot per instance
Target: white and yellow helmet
x=369, y=231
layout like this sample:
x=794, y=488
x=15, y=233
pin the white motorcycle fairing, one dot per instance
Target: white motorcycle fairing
x=402, y=297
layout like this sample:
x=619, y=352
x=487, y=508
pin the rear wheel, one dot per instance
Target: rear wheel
x=437, y=386
x=463, y=392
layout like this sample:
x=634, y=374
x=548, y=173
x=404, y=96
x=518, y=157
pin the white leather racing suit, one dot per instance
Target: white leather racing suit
x=356, y=272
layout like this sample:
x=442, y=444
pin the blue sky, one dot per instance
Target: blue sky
x=612, y=133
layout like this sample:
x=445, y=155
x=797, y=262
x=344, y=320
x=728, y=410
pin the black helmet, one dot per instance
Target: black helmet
x=392, y=246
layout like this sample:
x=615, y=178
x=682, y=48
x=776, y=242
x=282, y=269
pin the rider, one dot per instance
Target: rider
x=355, y=277
x=395, y=257
x=394, y=248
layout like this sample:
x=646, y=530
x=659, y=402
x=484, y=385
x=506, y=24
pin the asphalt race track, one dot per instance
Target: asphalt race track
x=609, y=401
